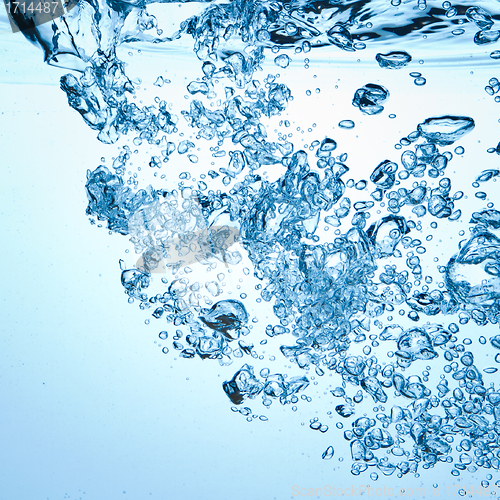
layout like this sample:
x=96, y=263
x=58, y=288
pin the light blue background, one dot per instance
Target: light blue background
x=89, y=407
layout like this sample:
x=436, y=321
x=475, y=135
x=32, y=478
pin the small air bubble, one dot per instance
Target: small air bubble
x=282, y=61
x=159, y=82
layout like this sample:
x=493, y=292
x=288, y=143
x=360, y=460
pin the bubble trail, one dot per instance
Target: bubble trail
x=338, y=303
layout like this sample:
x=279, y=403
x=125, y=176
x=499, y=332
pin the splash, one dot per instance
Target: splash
x=333, y=299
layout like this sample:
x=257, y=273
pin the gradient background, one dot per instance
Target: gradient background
x=89, y=407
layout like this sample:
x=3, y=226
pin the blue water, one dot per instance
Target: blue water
x=301, y=209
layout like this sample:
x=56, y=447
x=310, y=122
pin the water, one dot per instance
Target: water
x=310, y=213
